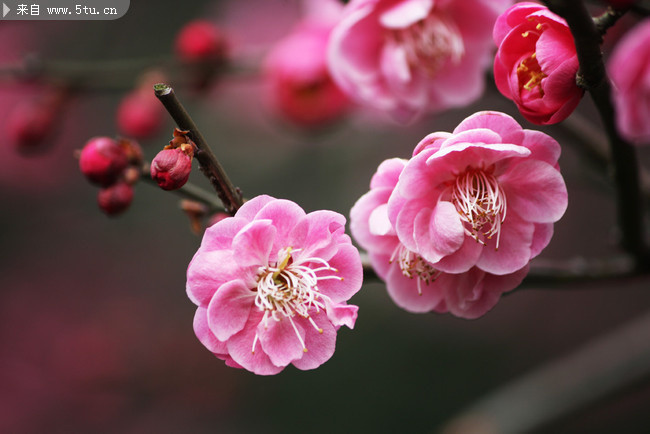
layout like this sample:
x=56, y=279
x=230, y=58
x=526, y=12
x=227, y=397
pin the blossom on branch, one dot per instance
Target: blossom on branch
x=408, y=57
x=629, y=69
x=536, y=63
x=271, y=285
x=300, y=84
x=485, y=195
x=414, y=283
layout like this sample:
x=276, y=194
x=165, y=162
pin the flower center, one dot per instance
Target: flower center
x=481, y=203
x=414, y=266
x=290, y=287
x=530, y=73
x=430, y=42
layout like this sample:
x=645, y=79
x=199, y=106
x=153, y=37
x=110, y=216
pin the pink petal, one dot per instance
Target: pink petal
x=405, y=13
x=535, y=191
x=348, y=263
x=229, y=309
x=439, y=233
x=542, y=146
x=462, y=259
x=416, y=179
x=404, y=290
x=253, y=244
x=284, y=216
x=251, y=207
x=541, y=237
x=467, y=298
x=316, y=234
x=432, y=141
x=378, y=222
x=219, y=236
x=341, y=314
x=205, y=335
x=511, y=18
x=450, y=161
x=207, y=272
x=360, y=220
x=320, y=346
x=387, y=173
x=240, y=348
x=475, y=136
x=502, y=124
x=280, y=340
x=514, y=247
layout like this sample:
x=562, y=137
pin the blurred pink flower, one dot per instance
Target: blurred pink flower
x=271, y=285
x=301, y=86
x=485, y=195
x=407, y=57
x=536, y=63
x=413, y=283
x=629, y=69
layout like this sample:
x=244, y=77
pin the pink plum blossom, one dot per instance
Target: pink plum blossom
x=485, y=195
x=407, y=57
x=536, y=63
x=300, y=83
x=413, y=283
x=271, y=285
x=629, y=69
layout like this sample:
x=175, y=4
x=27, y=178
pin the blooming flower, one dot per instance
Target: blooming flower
x=536, y=63
x=407, y=57
x=271, y=285
x=412, y=282
x=486, y=195
x=629, y=69
x=301, y=85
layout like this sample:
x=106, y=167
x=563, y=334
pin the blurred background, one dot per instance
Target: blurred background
x=95, y=325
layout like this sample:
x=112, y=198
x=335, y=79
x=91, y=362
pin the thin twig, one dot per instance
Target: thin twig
x=230, y=196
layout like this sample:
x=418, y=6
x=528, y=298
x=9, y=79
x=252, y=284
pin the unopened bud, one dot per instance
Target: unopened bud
x=115, y=199
x=29, y=124
x=171, y=168
x=140, y=115
x=200, y=41
x=102, y=160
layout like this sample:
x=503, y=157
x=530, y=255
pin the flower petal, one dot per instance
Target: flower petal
x=207, y=272
x=320, y=346
x=240, y=348
x=514, y=247
x=280, y=340
x=205, y=335
x=229, y=309
x=252, y=245
x=535, y=191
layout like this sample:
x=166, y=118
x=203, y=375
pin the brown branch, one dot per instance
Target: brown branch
x=593, y=77
x=230, y=196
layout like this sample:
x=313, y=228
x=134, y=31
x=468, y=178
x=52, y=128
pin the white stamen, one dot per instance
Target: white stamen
x=481, y=203
x=414, y=265
x=290, y=287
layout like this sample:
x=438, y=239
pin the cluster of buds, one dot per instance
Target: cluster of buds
x=172, y=166
x=114, y=165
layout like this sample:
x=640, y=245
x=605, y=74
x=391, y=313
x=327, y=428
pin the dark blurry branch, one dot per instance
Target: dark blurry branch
x=592, y=76
x=230, y=196
x=116, y=74
x=564, y=386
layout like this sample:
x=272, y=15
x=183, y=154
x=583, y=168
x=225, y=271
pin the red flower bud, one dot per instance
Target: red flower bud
x=200, y=41
x=140, y=115
x=102, y=160
x=172, y=166
x=30, y=123
x=115, y=199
